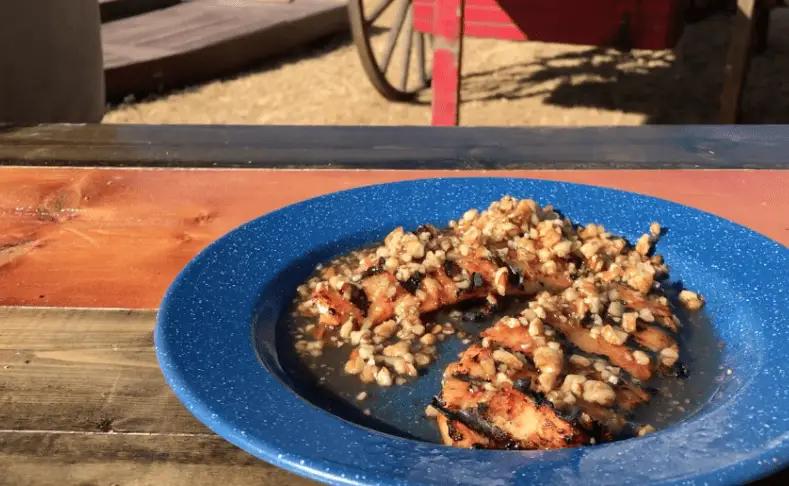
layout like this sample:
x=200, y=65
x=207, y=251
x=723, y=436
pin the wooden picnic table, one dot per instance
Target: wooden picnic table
x=97, y=220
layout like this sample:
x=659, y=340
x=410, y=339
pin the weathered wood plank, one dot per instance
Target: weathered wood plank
x=81, y=370
x=117, y=238
x=57, y=459
x=400, y=148
x=448, y=24
x=738, y=60
x=82, y=401
x=201, y=39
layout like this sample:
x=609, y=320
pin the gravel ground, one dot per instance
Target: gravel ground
x=504, y=83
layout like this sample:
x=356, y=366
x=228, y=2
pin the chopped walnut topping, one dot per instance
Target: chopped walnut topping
x=536, y=327
x=640, y=357
x=598, y=392
x=668, y=356
x=590, y=248
x=422, y=360
x=574, y=384
x=547, y=380
x=354, y=366
x=579, y=360
x=548, y=359
x=398, y=349
x=646, y=429
x=691, y=300
x=613, y=335
x=646, y=315
x=368, y=373
x=431, y=411
x=428, y=339
x=507, y=358
x=643, y=245
x=563, y=248
x=383, y=377
x=595, y=331
x=386, y=329
x=500, y=280
x=488, y=366
x=616, y=309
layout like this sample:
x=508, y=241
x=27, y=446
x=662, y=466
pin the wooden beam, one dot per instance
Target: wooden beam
x=208, y=38
x=117, y=237
x=85, y=371
x=735, y=72
x=82, y=401
x=398, y=148
x=53, y=458
x=447, y=61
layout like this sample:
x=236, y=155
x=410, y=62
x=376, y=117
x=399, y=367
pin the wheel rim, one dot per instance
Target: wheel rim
x=412, y=74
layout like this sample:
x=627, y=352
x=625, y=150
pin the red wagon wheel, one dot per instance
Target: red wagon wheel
x=400, y=33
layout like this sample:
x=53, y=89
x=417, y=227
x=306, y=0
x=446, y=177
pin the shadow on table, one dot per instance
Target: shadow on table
x=680, y=86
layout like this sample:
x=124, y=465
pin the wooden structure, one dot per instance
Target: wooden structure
x=154, y=45
x=95, y=221
x=749, y=37
x=627, y=24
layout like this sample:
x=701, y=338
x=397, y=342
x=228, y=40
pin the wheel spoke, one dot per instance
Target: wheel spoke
x=420, y=57
x=409, y=35
x=379, y=9
x=394, y=34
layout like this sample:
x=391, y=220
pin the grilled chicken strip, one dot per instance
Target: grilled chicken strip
x=379, y=295
x=508, y=417
x=518, y=339
x=481, y=390
x=456, y=434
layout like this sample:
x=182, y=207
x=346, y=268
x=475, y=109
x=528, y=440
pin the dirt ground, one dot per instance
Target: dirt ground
x=504, y=83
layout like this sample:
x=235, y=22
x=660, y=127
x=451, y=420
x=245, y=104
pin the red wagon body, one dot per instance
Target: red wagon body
x=642, y=24
x=649, y=24
x=626, y=24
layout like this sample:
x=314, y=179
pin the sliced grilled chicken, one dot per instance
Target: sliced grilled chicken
x=378, y=296
x=456, y=434
x=519, y=339
x=508, y=417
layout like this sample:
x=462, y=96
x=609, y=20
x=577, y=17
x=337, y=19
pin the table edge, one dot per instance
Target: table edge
x=397, y=147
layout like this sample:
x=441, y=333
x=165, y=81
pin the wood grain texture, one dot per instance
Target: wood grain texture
x=82, y=402
x=85, y=371
x=399, y=148
x=58, y=459
x=202, y=39
x=117, y=238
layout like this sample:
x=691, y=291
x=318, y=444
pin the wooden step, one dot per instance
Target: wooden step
x=120, y=9
x=203, y=39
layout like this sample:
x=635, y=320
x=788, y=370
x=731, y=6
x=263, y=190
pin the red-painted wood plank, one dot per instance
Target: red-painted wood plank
x=649, y=25
x=447, y=61
x=117, y=238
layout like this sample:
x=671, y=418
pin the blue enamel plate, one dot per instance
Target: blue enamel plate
x=223, y=344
